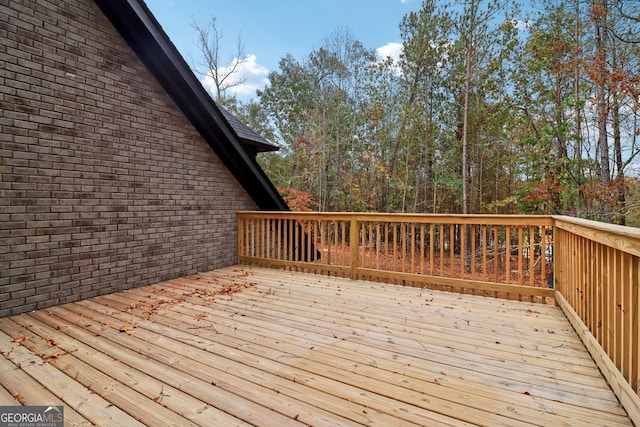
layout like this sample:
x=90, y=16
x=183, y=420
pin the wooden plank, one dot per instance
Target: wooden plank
x=518, y=354
x=235, y=298
x=464, y=283
x=494, y=312
x=262, y=372
x=6, y=398
x=16, y=382
x=374, y=406
x=202, y=383
x=292, y=348
x=74, y=396
x=343, y=315
x=628, y=398
x=389, y=390
x=352, y=327
x=146, y=409
x=153, y=401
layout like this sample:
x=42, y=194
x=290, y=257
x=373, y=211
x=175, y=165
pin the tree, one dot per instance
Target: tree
x=483, y=113
x=210, y=39
x=426, y=38
x=314, y=105
x=550, y=97
x=478, y=28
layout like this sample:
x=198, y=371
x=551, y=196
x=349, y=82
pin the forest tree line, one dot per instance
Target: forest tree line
x=493, y=107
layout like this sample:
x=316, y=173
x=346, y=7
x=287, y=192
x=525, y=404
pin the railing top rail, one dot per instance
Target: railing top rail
x=488, y=219
x=626, y=239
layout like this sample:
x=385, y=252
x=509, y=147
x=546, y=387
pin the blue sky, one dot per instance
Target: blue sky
x=271, y=29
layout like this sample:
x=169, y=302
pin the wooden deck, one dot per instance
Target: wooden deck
x=249, y=346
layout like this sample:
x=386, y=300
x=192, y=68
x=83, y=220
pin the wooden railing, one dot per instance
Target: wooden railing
x=597, y=275
x=507, y=256
x=591, y=270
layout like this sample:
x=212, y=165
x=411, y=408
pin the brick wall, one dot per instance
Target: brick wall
x=104, y=184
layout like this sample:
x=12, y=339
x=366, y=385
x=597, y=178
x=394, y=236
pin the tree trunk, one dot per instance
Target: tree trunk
x=465, y=131
x=620, y=217
x=599, y=9
x=428, y=159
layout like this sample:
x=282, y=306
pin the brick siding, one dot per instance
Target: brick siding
x=104, y=184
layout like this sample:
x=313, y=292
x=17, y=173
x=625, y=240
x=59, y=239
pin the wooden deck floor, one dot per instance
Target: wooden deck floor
x=248, y=346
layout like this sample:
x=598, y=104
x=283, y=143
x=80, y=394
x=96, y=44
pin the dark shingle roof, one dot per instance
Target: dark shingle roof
x=137, y=25
x=246, y=134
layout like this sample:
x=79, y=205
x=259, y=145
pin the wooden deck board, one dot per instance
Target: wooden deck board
x=251, y=346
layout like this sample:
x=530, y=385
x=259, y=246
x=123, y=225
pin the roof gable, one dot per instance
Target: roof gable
x=137, y=25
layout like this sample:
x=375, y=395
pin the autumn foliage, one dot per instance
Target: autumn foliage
x=298, y=200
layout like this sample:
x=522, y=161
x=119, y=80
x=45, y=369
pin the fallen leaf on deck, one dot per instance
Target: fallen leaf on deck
x=53, y=356
x=127, y=327
x=21, y=339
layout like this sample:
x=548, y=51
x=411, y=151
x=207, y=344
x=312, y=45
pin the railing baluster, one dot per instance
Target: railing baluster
x=403, y=245
x=394, y=247
x=520, y=254
x=484, y=252
x=532, y=255
x=366, y=242
x=634, y=343
x=543, y=253
x=627, y=356
x=431, y=247
x=473, y=251
x=452, y=245
x=617, y=318
x=496, y=254
x=507, y=248
x=463, y=253
x=413, y=247
x=378, y=246
x=422, y=248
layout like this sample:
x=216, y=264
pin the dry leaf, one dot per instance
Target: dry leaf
x=21, y=339
x=126, y=327
x=53, y=356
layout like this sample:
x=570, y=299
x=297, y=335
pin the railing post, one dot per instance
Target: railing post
x=353, y=247
x=240, y=242
x=556, y=259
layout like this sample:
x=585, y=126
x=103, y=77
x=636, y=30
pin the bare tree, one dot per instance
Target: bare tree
x=224, y=77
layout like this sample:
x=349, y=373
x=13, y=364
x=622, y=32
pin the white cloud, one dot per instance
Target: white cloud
x=390, y=49
x=249, y=70
x=393, y=51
